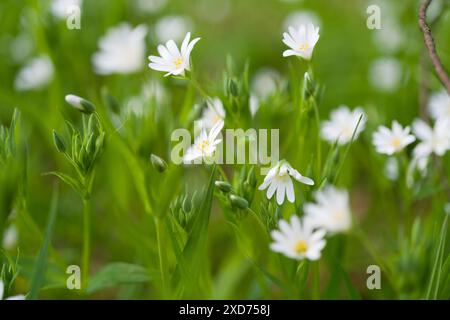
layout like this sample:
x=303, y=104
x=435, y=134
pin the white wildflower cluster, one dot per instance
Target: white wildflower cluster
x=305, y=238
x=432, y=139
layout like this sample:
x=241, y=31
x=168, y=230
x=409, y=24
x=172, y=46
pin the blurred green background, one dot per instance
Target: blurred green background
x=345, y=64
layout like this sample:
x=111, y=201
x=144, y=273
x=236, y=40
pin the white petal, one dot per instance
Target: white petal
x=290, y=191
x=280, y=193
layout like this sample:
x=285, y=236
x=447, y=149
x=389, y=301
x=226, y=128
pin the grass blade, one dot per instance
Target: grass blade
x=38, y=277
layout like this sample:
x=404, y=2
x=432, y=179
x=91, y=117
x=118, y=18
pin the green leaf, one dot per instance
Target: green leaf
x=192, y=259
x=39, y=271
x=437, y=265
x=118, y=273
x=72, y=182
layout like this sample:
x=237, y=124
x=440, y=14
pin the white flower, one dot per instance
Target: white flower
x=298, y=18
x=279, y=179
x=439, y=106
x=385, y=74
x=10, y=238
x=392, y=141
x=433, y=140
x=213, y=113
x=61, y=8
x=2, y=291
x=331, y=210
x=343, y=124
x=205, y=144
x=122, y=50
x=298, y=240
x=172, y=28
x=150, y=6
x=35, y=75
x=172, y=60
x=301, y=41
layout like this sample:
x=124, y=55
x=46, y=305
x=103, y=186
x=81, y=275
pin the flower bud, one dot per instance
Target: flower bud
x=223, y=186
x=59, y=143
x=158, y=163
x=187, y=205
x=233, y=88
x=238, y=202
x=251, y=177
x=80, y=104
x=309, y=86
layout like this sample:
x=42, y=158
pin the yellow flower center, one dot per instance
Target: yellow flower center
x=339, y=215
x=301, y=247
x=203, y=145
x=303, y=46
x=396, y=142
x=178, y=62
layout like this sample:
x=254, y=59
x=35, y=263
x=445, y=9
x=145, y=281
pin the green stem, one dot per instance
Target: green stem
x=316, y=281
x=222, y=172
x=160, y=254
x=198, y=87
x=86, y=240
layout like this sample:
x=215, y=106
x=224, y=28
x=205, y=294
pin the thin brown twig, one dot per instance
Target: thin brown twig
x=429, y=43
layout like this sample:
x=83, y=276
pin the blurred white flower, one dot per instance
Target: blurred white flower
x=154, y=90
x=385, y=74
x=35, y=75
x=60, y=8
x=343, y=124
x=435, y=9
x=122, y=50
x=298, y=18
x=2, y=291
x=298, y=239
x=213, y=113
x=253, y=104
x=279, y=179
x=172, y=28
x=390, y=37
x=205, y=144
x=172, y=60
x=391, y=168
x=301, y=41
x=10, y=238
x=153, y=95
x=21, y=47
x=439, y=106
x=432, y=140
x=265, y=82
x=331, y=210
x=150, y=6
x=388, y=141
x=213, y=11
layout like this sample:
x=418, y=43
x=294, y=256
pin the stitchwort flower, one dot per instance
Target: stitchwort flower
x=205, y=144
x=390, y=141
x=172, y=60
x=331, y=210
x=298, y=239
x=301, y=41
x=343, y=124
x=279, y=179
